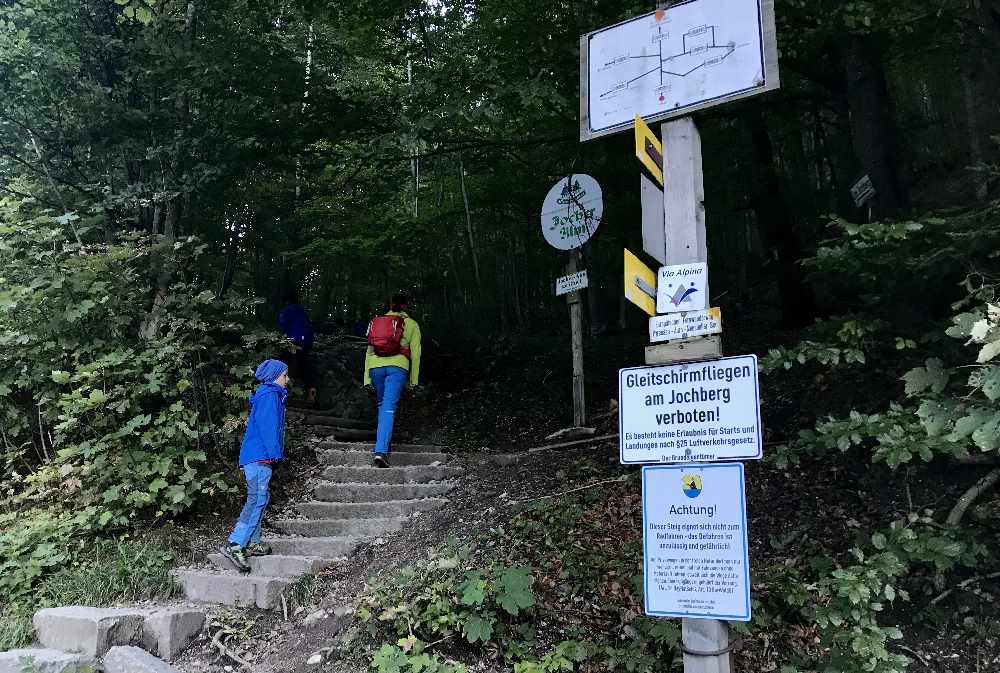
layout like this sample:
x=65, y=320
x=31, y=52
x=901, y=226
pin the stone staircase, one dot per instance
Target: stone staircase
x=352, y=503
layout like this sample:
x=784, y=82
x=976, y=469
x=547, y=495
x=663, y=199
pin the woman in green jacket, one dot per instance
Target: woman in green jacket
x=390, y=374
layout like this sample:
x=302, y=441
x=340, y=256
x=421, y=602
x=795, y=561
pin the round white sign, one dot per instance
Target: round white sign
x=572, y=212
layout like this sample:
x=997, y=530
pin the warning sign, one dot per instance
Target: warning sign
x=694, y=535
x=700, y=411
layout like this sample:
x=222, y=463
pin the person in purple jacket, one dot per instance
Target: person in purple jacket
x=295, y=323
x=263, y=445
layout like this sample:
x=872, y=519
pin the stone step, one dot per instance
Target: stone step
x=368, y=447
x=230, y=588
x=375, y=493
x=337, y=421
x=41, y=660
x=323, y=547
x=368, y=510
x=277, y=566
x=364, y=458
x=338, y=527
x=342, y=434
x=393, y=475
x=93, y=631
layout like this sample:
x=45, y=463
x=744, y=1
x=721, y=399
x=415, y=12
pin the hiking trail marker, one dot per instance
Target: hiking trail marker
x=694, y=537
x=685, y=325
x=572, y=283
x=571, y=213
x=686, y=56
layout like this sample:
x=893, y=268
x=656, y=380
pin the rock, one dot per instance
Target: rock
x=129, y=659
x=43, y=661
x=167, y=633
x=315, y=660
x=315, y=617
x=573, y=433
x=343, y=611
x=87, y=631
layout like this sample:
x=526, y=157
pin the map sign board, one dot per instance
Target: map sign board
x=572, y=212
x=685, y=325
x=694, y=536
x=669, y=63
x=690, y=412
x=571, y=283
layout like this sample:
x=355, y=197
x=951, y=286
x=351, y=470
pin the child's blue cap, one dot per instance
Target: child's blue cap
x=269, y=370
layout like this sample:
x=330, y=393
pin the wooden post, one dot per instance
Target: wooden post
x=705, y=641
x=576, y=325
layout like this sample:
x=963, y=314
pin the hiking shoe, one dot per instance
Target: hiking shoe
x=258, y=549
x=235, y=555
x=380, y=460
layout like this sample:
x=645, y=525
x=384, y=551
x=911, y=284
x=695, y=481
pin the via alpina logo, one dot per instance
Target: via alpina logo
x=682, y=295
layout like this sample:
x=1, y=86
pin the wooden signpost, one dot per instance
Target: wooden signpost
x=571, y=213
x=662, y=66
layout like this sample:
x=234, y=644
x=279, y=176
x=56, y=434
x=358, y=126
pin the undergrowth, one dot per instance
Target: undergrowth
x=106, y=573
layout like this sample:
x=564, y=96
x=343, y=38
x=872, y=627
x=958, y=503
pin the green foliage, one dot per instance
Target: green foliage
x=441, y=600
x=848, y=345
x=105, y=573
x=105, y=421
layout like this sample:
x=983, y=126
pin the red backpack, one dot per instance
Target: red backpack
x=385, y=336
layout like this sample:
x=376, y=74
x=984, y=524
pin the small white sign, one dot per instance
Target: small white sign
x=685, y=325
x=694, y=533
x=571, y=283
x=862, y=191
x=572, y=211
x=682, y=287
x=696, y=411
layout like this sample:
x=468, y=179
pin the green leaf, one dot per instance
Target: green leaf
x=389, y=659
x=933, y=377
x=515, y=590
x=478, y=628
x=473, y=590
x=968, y=424
x=987, y=436
x=990, y=382
x=935, y=416
x=879, y=541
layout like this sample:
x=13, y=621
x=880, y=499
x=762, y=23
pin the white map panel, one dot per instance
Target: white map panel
x=662, y=62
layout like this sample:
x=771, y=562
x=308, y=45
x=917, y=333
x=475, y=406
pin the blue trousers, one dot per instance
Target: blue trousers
x=388, y=383
x=247, y=528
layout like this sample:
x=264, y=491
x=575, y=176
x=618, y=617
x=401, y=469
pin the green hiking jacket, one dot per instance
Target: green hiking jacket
x=411, y=340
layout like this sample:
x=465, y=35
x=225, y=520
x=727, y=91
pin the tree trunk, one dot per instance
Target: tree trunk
x=468, y=225
x=873, y=126
x=777, y=227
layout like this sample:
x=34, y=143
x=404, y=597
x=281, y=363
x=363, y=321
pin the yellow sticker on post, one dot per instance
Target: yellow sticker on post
x=649, y=149
x=640, y=283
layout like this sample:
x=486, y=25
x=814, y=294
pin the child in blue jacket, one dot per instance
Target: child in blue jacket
x=263, y=445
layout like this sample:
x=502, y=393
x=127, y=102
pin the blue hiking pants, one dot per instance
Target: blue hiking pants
x=388, y=383
x=247, y=529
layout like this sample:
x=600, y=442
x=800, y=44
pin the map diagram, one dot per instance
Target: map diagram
x=689, y=54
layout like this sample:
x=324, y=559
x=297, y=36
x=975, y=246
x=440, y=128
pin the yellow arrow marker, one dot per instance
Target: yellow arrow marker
x=640, y=283
x=649, y=149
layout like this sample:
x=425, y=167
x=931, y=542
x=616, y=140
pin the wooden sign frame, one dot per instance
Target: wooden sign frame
x=772, y=79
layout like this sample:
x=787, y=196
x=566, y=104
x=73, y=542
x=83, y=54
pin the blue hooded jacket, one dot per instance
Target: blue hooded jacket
x=265, y=435
x=295, y=323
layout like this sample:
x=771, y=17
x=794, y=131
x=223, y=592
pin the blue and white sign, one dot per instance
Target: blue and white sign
x=694, y=534
x=682, y=287
x=692, y=412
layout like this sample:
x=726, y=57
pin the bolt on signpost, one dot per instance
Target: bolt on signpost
x=689, y=410
x=571, y=213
